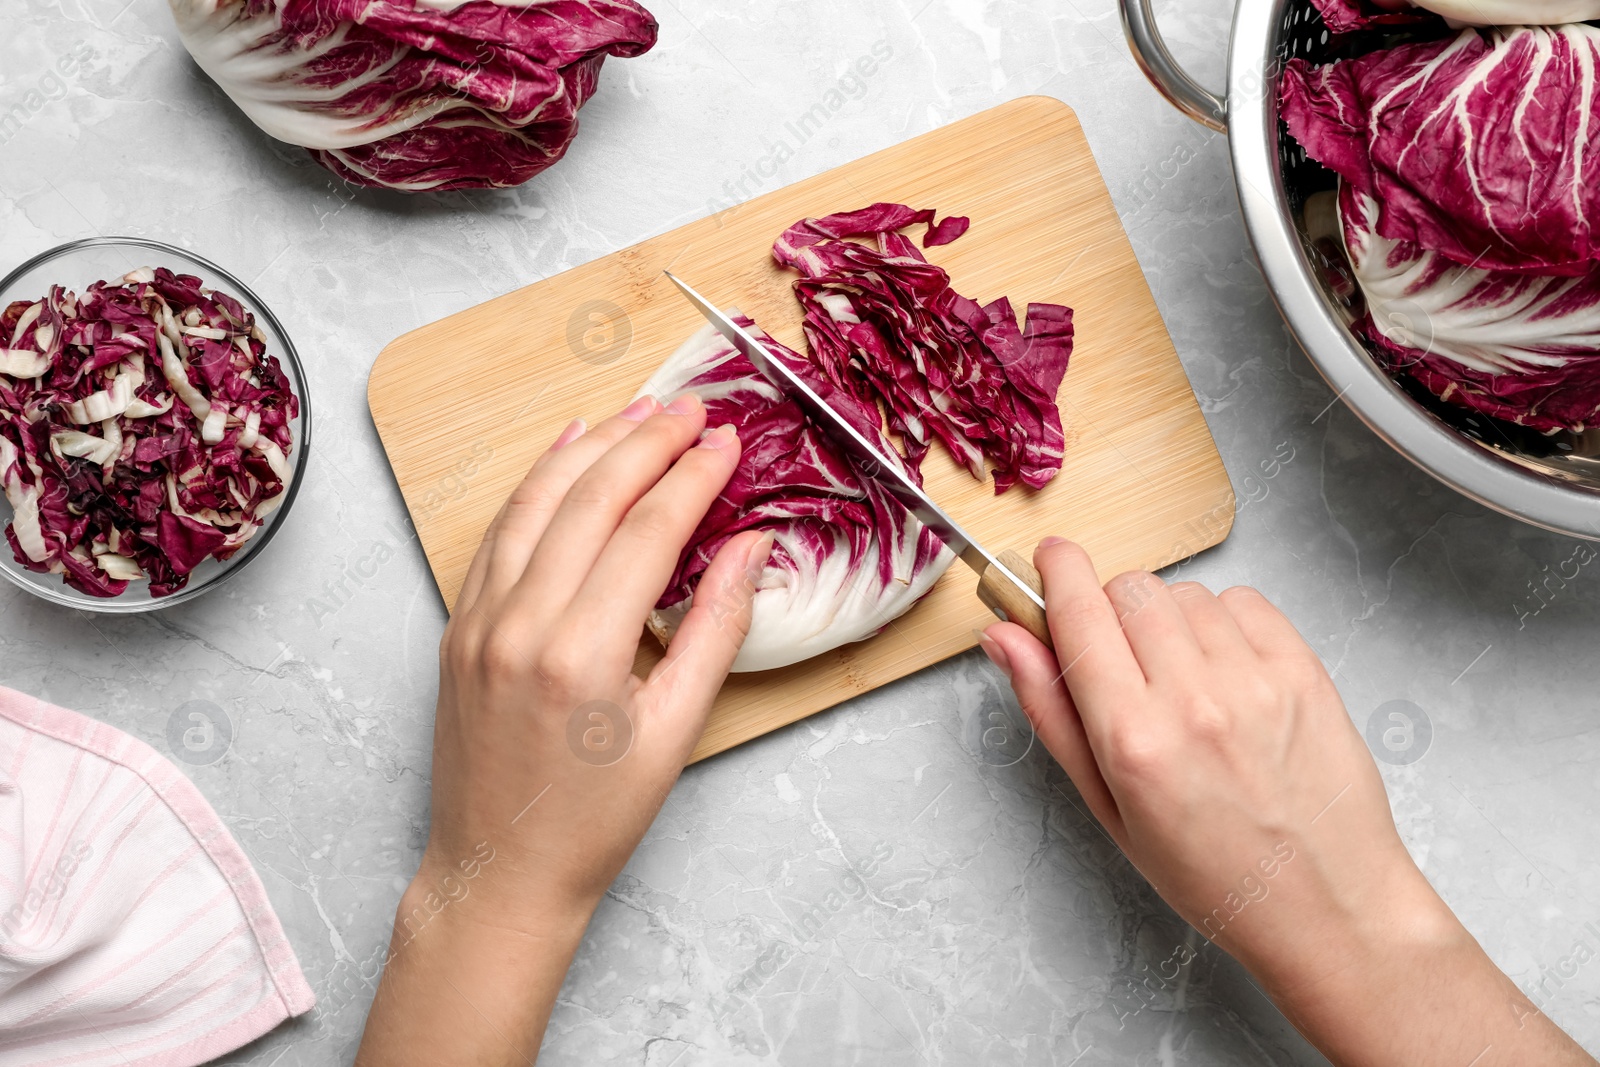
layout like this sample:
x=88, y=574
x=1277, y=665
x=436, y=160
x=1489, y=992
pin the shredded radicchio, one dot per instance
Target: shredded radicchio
x=885, y=326
x=143, y=430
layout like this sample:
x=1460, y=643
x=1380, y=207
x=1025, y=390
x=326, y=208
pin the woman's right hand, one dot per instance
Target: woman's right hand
x=1211, y=744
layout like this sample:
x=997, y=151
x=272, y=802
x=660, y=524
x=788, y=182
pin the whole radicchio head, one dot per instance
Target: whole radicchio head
x=430, y=94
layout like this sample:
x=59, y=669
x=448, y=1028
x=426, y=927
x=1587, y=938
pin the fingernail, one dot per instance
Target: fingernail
x=640, y=409
x=1052, y=541
x=755, y=565
x=720, y=438
x=996, y=654
x=684, y=405
x=575, y=429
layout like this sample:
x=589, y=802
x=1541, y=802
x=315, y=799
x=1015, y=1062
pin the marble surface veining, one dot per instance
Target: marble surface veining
x=874, y=885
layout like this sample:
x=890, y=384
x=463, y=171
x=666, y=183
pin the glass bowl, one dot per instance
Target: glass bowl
x=75, y=266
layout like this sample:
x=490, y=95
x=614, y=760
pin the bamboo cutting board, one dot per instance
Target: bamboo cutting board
x=466, y=404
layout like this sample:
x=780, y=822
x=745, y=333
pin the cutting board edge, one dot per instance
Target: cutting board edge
x=417, y=522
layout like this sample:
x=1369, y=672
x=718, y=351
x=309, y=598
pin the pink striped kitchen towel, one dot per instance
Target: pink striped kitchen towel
x=133, y=930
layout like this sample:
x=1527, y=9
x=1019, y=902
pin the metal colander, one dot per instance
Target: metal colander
x=1549, y=480
x=1302, y=35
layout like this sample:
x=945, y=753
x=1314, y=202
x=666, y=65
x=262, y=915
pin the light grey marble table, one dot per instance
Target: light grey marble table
x=864, y=887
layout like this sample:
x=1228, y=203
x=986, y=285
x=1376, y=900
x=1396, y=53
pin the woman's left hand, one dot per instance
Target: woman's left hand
x=551, y=758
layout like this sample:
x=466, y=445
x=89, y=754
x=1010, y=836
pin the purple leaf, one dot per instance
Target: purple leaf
x=1477, y=147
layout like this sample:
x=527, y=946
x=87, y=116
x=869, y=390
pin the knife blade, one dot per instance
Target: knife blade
x=1008, y=584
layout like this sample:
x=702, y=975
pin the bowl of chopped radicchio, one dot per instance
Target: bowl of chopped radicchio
x=153, y=425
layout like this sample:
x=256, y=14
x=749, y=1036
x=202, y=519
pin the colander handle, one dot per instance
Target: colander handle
x=1173, y=82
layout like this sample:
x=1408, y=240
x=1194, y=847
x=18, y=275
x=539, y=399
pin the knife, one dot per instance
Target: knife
x=1007, y=584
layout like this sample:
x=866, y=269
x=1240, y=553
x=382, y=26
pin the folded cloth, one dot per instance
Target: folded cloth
x=133, y=930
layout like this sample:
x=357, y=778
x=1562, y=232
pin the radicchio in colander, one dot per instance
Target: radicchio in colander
x=1468, y=189
x=1480, y=146
x=1517, y=346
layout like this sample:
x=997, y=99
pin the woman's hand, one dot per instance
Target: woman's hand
x=538, y=704
x=1206, y=737
x=1211, y=744
x=551, y=758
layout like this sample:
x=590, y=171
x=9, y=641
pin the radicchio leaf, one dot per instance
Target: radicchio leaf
x=1516, y=346
x=1479, y=147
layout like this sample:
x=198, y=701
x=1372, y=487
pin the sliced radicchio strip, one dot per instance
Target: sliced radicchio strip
x=1516, y=346
x=1480, y=147
x=143, y=429
x=847, y=560
x=886, y=328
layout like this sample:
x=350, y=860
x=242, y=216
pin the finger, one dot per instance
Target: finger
x=1157, y=631
x=1096, y=663
x=472, y=585
x=708, y=640
x=1213, y=626
x=1036, y=679
x=597, y=502
x=636, y=566
x=509, y=541
x=1266, y=628
x=527, y=513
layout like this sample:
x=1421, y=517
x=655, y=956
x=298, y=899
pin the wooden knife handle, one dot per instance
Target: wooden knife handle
x=1008, y=602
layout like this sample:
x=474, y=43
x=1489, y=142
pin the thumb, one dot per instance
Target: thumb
x=1037, y=679
x=711, y=634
